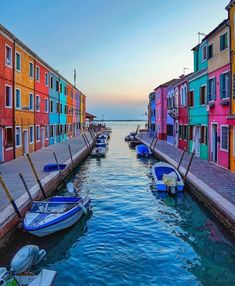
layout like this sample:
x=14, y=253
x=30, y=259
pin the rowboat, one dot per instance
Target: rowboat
x=166, y=178
x=143, y=151
x=21, y=272
x=56, y=213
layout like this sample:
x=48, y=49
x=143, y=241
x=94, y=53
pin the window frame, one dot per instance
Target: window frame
x=20, y=134
x=31, y=63
x=10, y=106
x=205, y=99
x=6, y=64
x=37, y=68
x=221, y=137
x=37, y=109
x=31, y=142
x=17, y=89
x=9, y=147
x=46, y=79
x=17, y=54
x=38, y=128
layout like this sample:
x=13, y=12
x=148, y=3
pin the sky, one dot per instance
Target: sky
x=121, y=49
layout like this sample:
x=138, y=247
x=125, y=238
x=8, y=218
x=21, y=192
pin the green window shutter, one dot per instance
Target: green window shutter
x=214, y=82
x=221, y=85
x=221, y=43
x=225, y=40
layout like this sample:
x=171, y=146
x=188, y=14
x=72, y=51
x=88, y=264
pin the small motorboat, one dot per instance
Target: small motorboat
x=99, y=151
x=130, y=136
x=103, y=136
x=56, y=213
x=22, y=271
x=143, y=151
x=54, y=167
x=101, y=143
x=133, y=142
x=166, y=178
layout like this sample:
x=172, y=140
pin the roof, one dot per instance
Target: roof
x=33, y=54
x=166, y=84
x=89, y=115
x=184, y=77
x=231, y=3
x=197, y=74
x=217, y=28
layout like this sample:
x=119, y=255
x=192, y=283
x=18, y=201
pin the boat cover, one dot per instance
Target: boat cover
x=142, y=149
x=160, y=171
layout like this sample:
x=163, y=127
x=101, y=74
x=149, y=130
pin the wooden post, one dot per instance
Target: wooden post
x=137, y=128
x=36, y=176
x=155, y=144
x=89, y=145
x=62, y=177
x=26, y=187
x=151, y=144
x=189, y=164
x=10, y=197
x=71, y=157
x=85, y=140
x=181, y=159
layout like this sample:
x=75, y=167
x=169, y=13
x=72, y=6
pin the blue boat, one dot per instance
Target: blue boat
x=101, y=143
x=143, y=151
x=54, y=167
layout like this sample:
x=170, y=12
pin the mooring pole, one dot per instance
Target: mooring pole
x=155, y=144
x=36, y=176
x=85, y=140
x=58, y=166
x=10, y=197
x=26, y=187
x=151, y=144
x=71, y=157
x=189, y=164
x=181, y=158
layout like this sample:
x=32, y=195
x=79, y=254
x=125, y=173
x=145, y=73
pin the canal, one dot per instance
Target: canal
x=133, y=237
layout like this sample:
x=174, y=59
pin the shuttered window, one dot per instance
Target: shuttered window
x=224, y=85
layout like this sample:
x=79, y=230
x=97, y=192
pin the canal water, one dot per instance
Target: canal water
x=132, y=236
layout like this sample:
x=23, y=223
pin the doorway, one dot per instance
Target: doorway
x=214, y=143
x=1, y=145
x=26, y=141
x=197, y=141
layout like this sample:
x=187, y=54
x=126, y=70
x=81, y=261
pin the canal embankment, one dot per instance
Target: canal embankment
x=214, y=186
x=80, y=147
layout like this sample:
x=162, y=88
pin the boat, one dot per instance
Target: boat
x=130, y=136
x=103, y=136
x=143, y=151
x=133, y=142
x=22, y=271
x=101, y=143
x=166, y=178
x=99, y=151
x=54, y=167
x=54, y=214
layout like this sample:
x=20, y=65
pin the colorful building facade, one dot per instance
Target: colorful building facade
x=152, y=114
x=197, y=102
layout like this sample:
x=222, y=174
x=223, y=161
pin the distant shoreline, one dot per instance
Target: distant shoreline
x=120, y=120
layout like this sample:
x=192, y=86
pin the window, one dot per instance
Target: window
x=210, y=51
x=38, y=133
x=191, y=132
x=46, y=105
x=169, y=130
x=65, y=90
x=60, y=87
x=51, y=106
x=46, y=78
x=9, y=137
x=224, y=138
x=203, y=95
x=191, y=98
x=185, y=137
x=37, y=102
x=223, y=41
x=8, y=96
x=18, y=61
x=224, y=85
x=212, y=89
x=31, y=102
x=57, y=130
x=47, y=131
x=17, y=98
x=57, y=107
x=51, y=130
x=37, y=74
x=51, y=82
x=31, y=70
x=204, y=53
x=8, y=56
x=18, y=136
x=203, y=135
x=31, y=134
x=181, y=136
x=61, y=108
x=57, y=85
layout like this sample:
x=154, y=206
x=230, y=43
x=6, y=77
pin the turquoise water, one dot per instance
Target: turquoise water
x=133, y=237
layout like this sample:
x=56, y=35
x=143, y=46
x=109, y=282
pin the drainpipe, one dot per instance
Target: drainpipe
x=13, y=100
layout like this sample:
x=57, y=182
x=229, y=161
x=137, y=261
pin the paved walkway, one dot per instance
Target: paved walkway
x=10, y=170
x=218, y=178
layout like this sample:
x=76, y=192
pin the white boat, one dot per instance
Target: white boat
x=56, y=213
x=99, y=151
x=166, y=178
x=21, y=272
x=101, y=142
x=143, y=151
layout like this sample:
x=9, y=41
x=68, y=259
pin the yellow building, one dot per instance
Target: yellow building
x=231, y=119
x=24, y=101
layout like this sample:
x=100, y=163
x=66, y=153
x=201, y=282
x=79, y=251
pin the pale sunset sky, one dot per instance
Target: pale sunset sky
x=122, y=49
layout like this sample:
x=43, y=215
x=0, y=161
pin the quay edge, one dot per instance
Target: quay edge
x=212, y=200
x=9, y=222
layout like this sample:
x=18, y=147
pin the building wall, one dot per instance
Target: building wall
x=63, y=102
x=70, y=110
x=161, y=112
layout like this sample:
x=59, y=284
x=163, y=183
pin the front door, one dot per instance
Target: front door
x=26, y=142
x=197, y=141
x=176, y=134
x=1, y=145
x=43, y=136
x=214, y=146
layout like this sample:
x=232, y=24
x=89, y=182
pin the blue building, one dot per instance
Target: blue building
x=63, y=110
x=152, y=115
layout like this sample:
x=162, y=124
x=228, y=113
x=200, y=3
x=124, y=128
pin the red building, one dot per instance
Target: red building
x=7, y=150
x=41, y=103
x=182, y=87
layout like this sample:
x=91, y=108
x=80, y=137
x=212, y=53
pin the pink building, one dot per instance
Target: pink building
x=219, y=94
x=161, y=109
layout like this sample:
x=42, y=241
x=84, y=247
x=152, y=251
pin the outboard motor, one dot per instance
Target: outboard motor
x=27, y=257
x=72, y=190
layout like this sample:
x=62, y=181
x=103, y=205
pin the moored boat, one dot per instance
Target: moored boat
x=23, y=271
x=99, y=151
x=143, y=151
x=56, y=213
x=101, y=142
x=54, y=167
x=166, y=178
